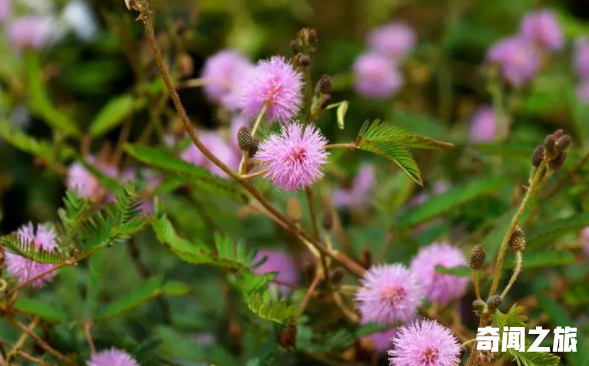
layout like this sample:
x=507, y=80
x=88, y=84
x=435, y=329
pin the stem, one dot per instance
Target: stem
x=310, y=292
x=44, y=344
x=536, y=180
x=475, y=280
x=150, y=34
x=349, y=145
x=469, y=342
x=259, y=119
x=88, y=334
x=254, y=175
x=516, y=272
x=312, y=210
x=21, y=341
x=24, y=355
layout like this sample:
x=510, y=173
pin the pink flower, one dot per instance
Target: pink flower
x=87, y=185
x=112, y=357
x=425, y=343
x=483, y=125
x=389, y=294
x=275, y=84
x=518, y=59
x=223, y=150
x=542, y=28
x=294, y=158
x=358, y=195
x=583, y=92
x=25, y=269
x=280, y=262
x=376, y=76
x=581, y=57
x=584, y=239
x=5, y=9
x=438, y=287
x=393, y=40
x=382, y=341
x=30, y=31
x=223, y=70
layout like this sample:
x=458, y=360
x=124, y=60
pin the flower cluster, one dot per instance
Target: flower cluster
x=112, y=357
x=376, y=72
x=222, y=72
x=519, y=57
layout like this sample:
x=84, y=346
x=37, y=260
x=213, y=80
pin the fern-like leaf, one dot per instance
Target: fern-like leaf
x=16, y=244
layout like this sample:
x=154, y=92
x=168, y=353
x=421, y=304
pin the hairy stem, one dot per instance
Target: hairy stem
x=516, y=272
x=475, y=282
x=88, y=334
x=349, y=145
x=254, y=175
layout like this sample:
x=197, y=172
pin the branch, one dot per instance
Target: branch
x=44, y=344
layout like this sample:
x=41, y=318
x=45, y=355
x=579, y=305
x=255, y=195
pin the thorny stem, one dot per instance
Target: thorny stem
x=536, y=180
x=516, y=271
x=44, y=344
x=150, y=34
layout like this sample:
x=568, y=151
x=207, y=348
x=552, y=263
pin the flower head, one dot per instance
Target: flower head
x=274, y=84
x=438, y=287
x=223, y=70
x=112, y=357
x=389, y=294
x=25, y=269
x=483, y=125
x=581, y=58
x=30, y=31
x=542, y=28
x=358, y=195
x=376, y=76
x=87, y=185
x=518, y=58
x=425, y=343
x=5, y=9
x=295, y=157
x=583, y=92
x=382, y=341
x=392, y=40
x=280, y=262
x=222, y=149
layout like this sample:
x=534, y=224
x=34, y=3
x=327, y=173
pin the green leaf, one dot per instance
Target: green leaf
x=96, y=269
x=135, y=298
x=278, y=311
x=39, y=100
x=196, y=175
x=16, y=244
x=176, y=288
x=378, y=138
x=461, y=271
x=449, y=201
x=112, y=114
x=548, y=232
x=43, y=309
x=342, y=109
x=544, y=259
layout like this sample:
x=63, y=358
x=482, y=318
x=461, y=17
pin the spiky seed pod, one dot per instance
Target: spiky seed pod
x=517, y=242
x=325, y=85
x=479, y=305
x=293, y=209
x=494, y=302
x=477, y=257
x=563, y=143
x=538, y=156
x=303, y=61
x=245, y=139
x=254, y=148
x=558, y=161
x=327, y=219
x=486, y=357
x=550, y=144
x=336, y=275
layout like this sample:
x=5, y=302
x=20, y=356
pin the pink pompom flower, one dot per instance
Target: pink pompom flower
x=25, y=269
x=87, y=185
x=425, y=343
x=393, y=40
x=438, y=287
x=294, y=158
x=389, y=294
x=274, y=84
x=223, y=71
x=222, y=149
x=518, y=59
x=382, y=341
x=5, y=9
x=359, y=194
x=376, y=76
x=112, y=357
x=483, y=125
x=542, y=28
x=581, y=57
x=281, y=263
x=30, y=31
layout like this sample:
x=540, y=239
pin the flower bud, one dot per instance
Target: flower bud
x=324, y=85
x=477, y=257
x=550, y=144
x=558, y=161
x=245, y=139
x=517, y=242
x=538, y=156
x=557, y=133
x=494, y=302
x=563, y=143
x=479, y=305
x=254, y=148
x=303, y=61
x=295, y=46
